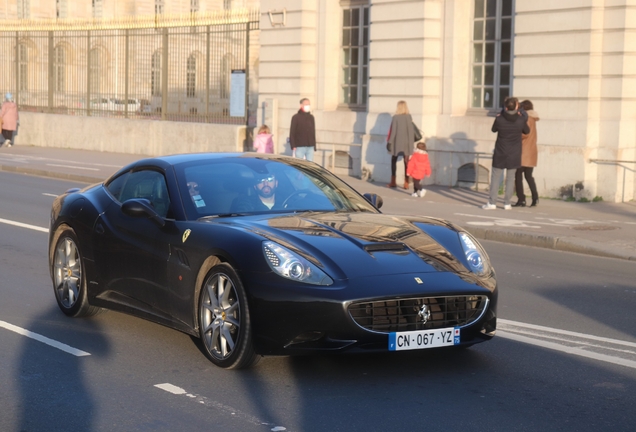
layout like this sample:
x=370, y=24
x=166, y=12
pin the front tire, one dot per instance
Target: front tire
x=69, y=277
x=224, y=321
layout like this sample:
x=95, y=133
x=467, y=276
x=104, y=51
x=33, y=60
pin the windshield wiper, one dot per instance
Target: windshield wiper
x=222, y=215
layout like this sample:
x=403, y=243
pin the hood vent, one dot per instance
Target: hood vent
x=385, y=247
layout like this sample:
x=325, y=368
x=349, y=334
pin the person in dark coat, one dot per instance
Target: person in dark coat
x=400, y=140
x=510, y=124
x=302, y=133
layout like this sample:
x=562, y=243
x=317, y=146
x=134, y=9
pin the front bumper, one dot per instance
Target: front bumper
x=289, y=318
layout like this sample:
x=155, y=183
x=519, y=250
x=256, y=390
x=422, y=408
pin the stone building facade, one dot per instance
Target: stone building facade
x=453, y=61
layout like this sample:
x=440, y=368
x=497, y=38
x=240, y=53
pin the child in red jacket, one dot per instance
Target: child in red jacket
x=418, y=168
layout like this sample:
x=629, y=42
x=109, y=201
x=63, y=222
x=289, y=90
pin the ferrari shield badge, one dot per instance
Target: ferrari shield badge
x=186, y=234
x=418, y=280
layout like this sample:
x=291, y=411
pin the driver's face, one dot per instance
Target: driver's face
x=266, y=186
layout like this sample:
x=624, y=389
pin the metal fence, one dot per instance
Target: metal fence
x=619, y=164
x=198, y=67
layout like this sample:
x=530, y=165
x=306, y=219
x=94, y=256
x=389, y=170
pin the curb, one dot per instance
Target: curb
x=565, y=244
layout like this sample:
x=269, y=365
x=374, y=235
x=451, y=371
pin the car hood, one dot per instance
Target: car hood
x=362, y=244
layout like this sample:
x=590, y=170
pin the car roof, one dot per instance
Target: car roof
x=164, y=162
x=178, y=159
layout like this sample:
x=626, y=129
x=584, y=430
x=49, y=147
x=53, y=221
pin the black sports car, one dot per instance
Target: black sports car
x=267, y=255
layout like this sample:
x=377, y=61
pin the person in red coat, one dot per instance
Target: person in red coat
x=418, y=168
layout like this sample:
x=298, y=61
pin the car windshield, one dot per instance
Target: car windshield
x=252, y=185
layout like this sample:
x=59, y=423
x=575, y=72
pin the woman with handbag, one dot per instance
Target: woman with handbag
x=400, y=141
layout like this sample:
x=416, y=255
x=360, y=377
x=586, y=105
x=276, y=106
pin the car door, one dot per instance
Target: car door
x=132, y=253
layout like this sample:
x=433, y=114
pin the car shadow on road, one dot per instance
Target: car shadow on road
x=54, y=392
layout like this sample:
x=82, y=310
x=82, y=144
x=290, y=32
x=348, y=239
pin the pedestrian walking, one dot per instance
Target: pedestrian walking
x=400, y=141
x=509, y=125
x=528, y=158
x=263, y=142
x=9, y=118
x=418, y=168
x=302, y=133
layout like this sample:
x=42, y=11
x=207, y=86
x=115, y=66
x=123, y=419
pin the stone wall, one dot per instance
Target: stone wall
x=143, y=137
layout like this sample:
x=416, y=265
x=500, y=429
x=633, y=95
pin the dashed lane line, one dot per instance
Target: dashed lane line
x=73, y=166
x=38, y=337
x=23, y=225
x=173, y=389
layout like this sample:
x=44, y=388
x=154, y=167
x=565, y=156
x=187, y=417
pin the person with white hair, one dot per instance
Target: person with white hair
x=9, y=118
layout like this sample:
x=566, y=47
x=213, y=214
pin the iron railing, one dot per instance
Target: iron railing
x=472, y=156
x=617, y=163
x=150, y=67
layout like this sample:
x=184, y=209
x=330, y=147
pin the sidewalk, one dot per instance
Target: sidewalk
x=602, y=229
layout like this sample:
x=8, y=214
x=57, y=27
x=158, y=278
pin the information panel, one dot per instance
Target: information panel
x=237, y=93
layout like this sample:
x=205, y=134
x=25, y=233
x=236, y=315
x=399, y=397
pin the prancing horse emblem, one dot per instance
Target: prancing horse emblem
x=424, y=314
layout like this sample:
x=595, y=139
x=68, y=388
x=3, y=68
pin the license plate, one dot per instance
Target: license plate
x=421, y=339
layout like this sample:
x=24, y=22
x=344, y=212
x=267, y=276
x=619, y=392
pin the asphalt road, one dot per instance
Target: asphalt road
x=564, y=358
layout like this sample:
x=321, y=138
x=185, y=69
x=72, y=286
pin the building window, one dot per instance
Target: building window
x=98, y=10
x=61, y=9
x=191, y=76
x=155, y=74
x=492, y=53
x=194, y=6
x=59, y=68
x=355, y=56
x=159, y=7
x=24, y=9
x=23, y=67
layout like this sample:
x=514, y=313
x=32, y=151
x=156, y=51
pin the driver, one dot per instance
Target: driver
x=265, y=197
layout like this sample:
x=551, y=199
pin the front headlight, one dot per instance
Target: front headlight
x=292, y=266
x=478, y=261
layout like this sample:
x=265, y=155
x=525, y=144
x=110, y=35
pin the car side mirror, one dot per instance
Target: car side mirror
x=374, y=199
x=141, y=207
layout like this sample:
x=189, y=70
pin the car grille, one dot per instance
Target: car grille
x=386, y=316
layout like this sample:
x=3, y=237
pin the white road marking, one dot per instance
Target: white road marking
x=170, y=388
x=73, y=166
x=23, y=225
x=26, y=159
x=509, y=221
x=594, y=347
x=44, y=339
x=50, y=194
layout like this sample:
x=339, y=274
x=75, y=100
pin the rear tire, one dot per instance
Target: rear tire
x=224, y=320
x=68, y=275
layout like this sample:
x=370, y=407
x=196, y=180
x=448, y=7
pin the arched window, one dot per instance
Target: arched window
x=23, y=67
x=191, y=76
x=155, y=74
x=95, y=70
x=59, y=69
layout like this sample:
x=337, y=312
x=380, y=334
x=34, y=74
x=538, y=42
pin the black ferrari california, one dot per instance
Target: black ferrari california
x=262, y=255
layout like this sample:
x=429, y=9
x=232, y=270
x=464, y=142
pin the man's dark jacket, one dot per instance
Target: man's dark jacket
x=509, y=128
x=303, y=130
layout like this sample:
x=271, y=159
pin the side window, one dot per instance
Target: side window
x=147, y=184
x=115, y=187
